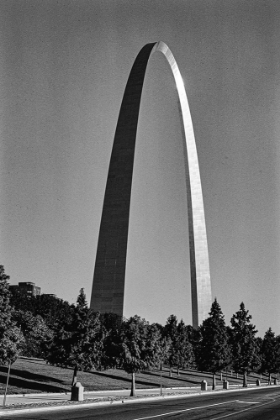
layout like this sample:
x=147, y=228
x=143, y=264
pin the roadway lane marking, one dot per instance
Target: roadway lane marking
x=183, y=411
x=247, y=402
x=242, y=411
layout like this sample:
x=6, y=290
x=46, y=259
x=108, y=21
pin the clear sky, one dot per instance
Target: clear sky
x=63, y=69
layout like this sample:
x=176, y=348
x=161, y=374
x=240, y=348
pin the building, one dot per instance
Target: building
x=27, y=288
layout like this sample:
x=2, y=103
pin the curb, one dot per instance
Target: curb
x=91, y=404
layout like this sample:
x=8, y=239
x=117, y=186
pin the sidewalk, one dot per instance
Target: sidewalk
x=26, y=399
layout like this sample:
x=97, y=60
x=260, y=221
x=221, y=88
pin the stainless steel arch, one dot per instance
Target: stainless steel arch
x=109, y=272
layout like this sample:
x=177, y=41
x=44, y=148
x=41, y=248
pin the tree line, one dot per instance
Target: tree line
x=74, y=336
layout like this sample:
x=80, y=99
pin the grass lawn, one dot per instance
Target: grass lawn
x=34, y=376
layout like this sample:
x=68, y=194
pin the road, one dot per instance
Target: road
x=256, y=404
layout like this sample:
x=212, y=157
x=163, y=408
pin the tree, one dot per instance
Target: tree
x=10, y=334
x=170, y=333
x=245, y=350
x=164, y=348
x=183, y=347
x=79, y=342
x=140, y=347
x=53, y=310
x=214, y=352
x=35, y=332
x=270, y=354
x=180, y=352
x=20, y=302
x=112, y=341
x=87, y=337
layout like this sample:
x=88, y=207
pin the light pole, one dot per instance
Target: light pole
x=8, y=376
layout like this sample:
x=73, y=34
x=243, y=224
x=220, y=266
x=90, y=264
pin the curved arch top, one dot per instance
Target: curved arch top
x=109, y=272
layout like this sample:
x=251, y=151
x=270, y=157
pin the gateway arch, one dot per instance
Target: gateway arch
x=110, y=264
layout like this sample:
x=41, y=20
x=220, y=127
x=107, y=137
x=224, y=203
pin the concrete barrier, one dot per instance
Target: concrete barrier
x=225, y=385
x=77, y=392
x=203, y=385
